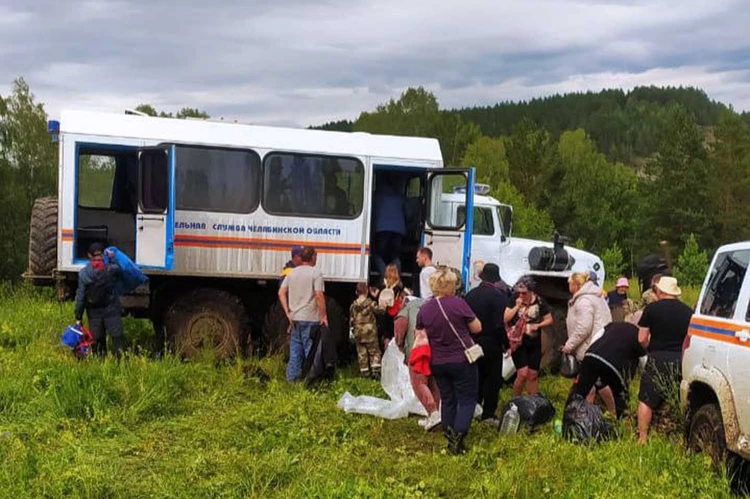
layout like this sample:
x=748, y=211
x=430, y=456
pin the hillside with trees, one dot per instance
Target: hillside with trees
x=614, y=171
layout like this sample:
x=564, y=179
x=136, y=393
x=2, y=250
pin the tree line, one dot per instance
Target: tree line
x=615, y=172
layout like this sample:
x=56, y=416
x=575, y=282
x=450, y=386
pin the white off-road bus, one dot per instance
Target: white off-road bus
x=211, y=210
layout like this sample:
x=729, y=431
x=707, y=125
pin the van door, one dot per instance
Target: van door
x=722, y=324
x=446, y=234
x=154, y=244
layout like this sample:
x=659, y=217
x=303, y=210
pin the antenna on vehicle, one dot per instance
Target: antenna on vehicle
x=134, y=112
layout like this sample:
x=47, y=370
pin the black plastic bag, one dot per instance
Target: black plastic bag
x=584, y=422
x=535, y=410
x=320, y=364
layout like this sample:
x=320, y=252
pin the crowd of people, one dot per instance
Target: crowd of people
x=455, y=346
x=440, y=332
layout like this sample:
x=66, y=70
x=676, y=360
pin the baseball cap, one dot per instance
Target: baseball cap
x=297, y=251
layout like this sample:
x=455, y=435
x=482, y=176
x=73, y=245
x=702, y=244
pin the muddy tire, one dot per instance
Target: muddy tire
x=43, y=239
x=276, y=338
x=207, y=319
x=706, y=434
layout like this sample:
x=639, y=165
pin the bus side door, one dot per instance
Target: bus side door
x=154, y=240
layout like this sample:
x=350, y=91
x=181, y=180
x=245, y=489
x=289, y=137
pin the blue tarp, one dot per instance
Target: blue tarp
x=132, y=277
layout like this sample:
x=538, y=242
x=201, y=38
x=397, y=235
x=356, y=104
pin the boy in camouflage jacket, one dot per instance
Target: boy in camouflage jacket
x=362, y=321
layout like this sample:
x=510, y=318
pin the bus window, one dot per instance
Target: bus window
x=313, y=185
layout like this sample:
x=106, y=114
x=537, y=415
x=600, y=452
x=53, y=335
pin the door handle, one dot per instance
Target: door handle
x=743, y=335
x=153, y=218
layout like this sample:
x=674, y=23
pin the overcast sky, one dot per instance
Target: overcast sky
x=302, y=62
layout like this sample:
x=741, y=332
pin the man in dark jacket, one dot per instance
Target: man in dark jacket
x=97, y=295
x=488, y=303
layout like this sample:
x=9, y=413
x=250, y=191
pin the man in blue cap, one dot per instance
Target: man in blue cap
x=296, y=261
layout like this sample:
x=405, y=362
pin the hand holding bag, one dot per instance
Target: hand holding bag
x=474, y=352
x=570, y=366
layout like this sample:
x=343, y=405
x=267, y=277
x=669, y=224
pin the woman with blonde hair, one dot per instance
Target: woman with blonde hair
x=449, y=324
x=588, y=313
x=390, y=299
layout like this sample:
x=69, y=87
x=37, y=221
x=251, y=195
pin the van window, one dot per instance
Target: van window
x=313, y=185
x=154, y=181
x=724, y=284
x=217, y=179
x=484, y=225
x=107, y=177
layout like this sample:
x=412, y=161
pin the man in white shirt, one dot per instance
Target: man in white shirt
x=424, y=260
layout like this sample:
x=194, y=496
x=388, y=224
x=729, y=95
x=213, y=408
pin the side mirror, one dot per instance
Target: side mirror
x=506, y=220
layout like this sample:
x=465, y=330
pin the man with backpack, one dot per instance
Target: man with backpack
x=97, y=295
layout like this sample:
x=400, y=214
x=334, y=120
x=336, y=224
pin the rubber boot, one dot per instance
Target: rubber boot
x=455, y=441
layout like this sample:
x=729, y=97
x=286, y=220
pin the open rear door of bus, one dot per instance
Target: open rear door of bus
x=154, y=240
x=447, y=235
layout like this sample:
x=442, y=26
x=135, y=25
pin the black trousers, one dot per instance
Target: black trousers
x=100, y=327
x=593, y=372
x=458, y=394
x=490, y=378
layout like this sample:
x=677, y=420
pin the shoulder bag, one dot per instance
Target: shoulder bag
x=474, y=352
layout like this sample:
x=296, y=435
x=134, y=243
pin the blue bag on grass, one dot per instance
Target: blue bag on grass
x=72, y=337
x=132, y=277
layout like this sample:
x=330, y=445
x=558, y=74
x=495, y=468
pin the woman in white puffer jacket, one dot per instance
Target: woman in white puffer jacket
x=588, y=313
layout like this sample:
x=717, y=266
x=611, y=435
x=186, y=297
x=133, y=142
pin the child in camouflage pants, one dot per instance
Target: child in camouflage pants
x=362, y=321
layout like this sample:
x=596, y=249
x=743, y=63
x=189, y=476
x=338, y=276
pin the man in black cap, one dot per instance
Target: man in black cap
x=97, y=295
x=488, y=302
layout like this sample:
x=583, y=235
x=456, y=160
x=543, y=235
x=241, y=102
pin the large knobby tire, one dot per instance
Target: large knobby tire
x=207, y=319
x=43, y=238
x=275, y=327
x=706, y=434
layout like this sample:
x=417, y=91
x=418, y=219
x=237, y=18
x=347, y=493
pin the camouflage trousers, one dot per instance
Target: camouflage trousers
x=368, y=348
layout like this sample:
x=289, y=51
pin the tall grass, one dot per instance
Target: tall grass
x=143, y=428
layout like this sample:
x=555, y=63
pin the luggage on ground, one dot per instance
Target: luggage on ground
x=535, y=410
x=584, y=422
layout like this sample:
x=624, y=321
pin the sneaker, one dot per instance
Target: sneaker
x=433, y=420
x=423, y=422
x=478, y=411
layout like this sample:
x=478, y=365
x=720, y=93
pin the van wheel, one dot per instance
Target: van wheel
x=706, y=434
x=43, y=239
x=275, y=325
x=207, y=319
x=275, y=336
x=553, y=337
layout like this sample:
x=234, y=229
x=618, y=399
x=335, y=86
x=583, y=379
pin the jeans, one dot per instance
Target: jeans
x=458, y=394
x=300, y=345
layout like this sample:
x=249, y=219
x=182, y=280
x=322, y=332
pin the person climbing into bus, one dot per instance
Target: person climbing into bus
x=97, y=296
x=389, y=222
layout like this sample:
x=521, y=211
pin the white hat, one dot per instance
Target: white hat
x=668, y=286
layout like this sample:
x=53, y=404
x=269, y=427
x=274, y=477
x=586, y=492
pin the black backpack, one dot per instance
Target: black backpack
x=100, y=290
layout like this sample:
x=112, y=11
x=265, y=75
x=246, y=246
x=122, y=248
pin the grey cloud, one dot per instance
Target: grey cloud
x=304, y=62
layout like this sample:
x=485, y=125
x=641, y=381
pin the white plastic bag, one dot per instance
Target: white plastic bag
x=394, y=379
x=509, y=368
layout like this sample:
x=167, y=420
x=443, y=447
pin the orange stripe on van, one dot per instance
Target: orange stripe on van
x=733, y=340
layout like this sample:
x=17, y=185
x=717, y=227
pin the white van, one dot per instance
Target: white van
x=211, y=210
x=715, y=389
